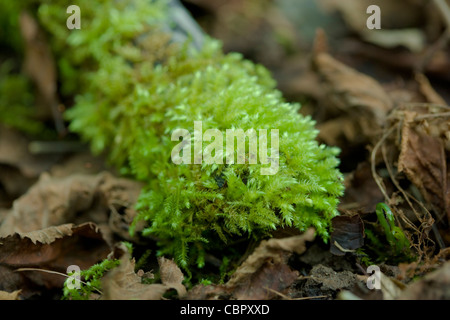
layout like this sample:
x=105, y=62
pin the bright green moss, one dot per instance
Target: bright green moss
x=134, y=87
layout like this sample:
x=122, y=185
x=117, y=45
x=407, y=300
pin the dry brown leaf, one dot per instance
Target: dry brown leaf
x=171, y=275
x=423, y=160
x=433, y=286
x=102, y=198
x=10, y=295
x=48, y=235
x=122, y=283
x=46, y=245
x=53, y=249
x=266, y=268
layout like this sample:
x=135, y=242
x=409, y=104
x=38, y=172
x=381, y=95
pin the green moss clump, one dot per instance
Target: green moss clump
x=135, y=85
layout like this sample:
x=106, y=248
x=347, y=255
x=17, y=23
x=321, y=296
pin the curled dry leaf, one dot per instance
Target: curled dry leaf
x=171, y=275
x=122, y=283
x=102, y=198
x=347, y=234
x=52, y=249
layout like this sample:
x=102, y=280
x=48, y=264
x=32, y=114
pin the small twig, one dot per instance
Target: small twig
x=431, y=116
x=42, y=270
x=342, y=248
x=307, y=298
x=53, y=272
x=278, y=293
x=289, y=298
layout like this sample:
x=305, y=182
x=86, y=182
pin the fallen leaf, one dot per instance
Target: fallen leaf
x=266, y=268
x=122, y=283
x=52, y=249
x=102, y=199
x=171, y=275
x=423, y=160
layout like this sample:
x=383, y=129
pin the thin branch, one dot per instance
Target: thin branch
x=53, y=272
x=289, y=298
